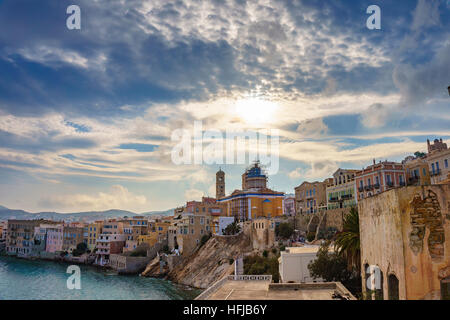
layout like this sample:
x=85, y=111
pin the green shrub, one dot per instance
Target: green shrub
x=284, y=230
x=310, y=236
x=204, y=239
x=257, y=265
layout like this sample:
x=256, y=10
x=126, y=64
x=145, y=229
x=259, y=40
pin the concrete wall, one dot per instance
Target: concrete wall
x=294, y=267
x=405, y=233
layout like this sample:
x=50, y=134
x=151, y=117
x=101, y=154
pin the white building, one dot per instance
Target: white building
x=223, y=223
x=293, y=264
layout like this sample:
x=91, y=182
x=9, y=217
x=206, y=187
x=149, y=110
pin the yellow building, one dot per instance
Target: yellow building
x=255, y=199
x=417, y=173
x=151, y=239
x=92, y=231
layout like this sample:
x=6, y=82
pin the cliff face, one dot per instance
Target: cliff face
x=212, y=261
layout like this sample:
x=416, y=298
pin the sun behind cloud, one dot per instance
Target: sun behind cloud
x=256, y=111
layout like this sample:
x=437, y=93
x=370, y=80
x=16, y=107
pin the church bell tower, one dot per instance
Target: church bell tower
x=220, y=184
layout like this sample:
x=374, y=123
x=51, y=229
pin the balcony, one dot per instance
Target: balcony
x=361, y=189
x=389, y=184
x=368, y=188
x=377, y=186
x=335, y=199
x=413, y=180
x=436, y=172
x=347, y=197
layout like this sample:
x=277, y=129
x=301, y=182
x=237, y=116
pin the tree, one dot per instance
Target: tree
x=347, y=242
x=257, y=265
x=81, y=248
x=419, y=154
x=231, y=229
x=204, y=239
x=332, y=267
x=284, y=230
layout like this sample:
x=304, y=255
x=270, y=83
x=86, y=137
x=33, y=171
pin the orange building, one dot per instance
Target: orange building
x=255, y=199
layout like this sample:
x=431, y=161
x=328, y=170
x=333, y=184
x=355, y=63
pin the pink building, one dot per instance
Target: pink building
x=54, y=240
x=289, y=205
x=378, y=178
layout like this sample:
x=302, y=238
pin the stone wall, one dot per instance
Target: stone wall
x=406, y=232
x=127, y=264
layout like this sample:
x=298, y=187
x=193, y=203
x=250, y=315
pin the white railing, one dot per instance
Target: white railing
x=212, y=289
x=250, y=278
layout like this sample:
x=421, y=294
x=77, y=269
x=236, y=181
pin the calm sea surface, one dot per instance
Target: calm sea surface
x=23, y=279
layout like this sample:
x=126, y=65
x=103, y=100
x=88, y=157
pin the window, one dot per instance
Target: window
x=393, y=287
x=361, y=184
x=432, y=168
x=445, y=289
x=437, y=166
x=424, y=171
x=446, y=163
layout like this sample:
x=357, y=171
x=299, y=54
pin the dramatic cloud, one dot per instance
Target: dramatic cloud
x=97, y=107
x=118, y=197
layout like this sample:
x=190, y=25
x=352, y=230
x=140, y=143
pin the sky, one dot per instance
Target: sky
x=87, y=116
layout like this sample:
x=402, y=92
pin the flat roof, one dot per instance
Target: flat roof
x=305, y=249
x=264, y=290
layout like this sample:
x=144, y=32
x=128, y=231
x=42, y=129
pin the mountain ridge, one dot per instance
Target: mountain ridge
x=6, y=213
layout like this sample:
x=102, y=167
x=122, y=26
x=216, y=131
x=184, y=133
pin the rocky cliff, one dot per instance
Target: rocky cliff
x=209, y=263
x=212, y=261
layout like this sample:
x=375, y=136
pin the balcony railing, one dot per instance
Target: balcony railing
x=334, y=199
x=413, y=180
x=436, y=172
x=377, y=186
x=347, y=196
x=361, y=189
x=389, y=184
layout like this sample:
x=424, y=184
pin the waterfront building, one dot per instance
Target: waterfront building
x=133, y=228
x=379, y=177
x=289, y=205
x=20, y=236
x=191, y=228
x=311, y=197
x=112, y=226
x=255, y=199
x=438, y=159
x=72, y=236
x=107, y=244
x=3, y=229
x=405, y=243
x=341, y=193
x=54, y=241
x=92, y=231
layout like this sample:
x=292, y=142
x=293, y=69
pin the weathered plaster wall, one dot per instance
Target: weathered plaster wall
x=395, y=229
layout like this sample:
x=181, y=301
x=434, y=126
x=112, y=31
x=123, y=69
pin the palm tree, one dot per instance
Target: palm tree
x=348, y=241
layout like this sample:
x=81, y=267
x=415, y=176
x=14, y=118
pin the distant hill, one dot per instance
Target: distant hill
x=6, y=214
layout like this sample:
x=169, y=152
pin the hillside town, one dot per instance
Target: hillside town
x=403, y=210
